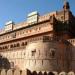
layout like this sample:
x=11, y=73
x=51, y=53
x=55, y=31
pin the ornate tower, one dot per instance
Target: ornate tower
x=64, y=27
x=66, y=6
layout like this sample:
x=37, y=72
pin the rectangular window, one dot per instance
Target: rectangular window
x=33, y=52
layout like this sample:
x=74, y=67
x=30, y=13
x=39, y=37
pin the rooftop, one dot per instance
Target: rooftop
x=34, y=19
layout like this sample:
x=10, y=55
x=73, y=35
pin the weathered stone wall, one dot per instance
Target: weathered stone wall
x=43, y=55
x=47, y=55
x=72, y=64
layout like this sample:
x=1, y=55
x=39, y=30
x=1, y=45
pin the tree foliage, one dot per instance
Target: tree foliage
x=4, y=63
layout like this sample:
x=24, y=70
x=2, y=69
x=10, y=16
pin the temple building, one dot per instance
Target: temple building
x=41, y=43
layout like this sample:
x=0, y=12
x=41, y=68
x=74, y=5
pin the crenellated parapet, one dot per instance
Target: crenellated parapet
x=44, y=53
x=28, y=72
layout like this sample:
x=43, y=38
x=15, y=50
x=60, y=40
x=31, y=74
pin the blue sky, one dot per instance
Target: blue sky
x=17, y=10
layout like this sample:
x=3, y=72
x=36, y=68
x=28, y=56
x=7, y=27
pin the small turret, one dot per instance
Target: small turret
x=66, y=6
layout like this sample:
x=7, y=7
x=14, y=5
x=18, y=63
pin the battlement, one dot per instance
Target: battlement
x=27, y=72
x=72, y=41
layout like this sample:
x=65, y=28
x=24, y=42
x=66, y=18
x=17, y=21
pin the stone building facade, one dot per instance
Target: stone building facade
x=42, y=43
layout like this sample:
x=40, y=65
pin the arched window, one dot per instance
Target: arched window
x=24, y=43
x=11, y=46
x=18, y=45
x=52, y=52
x=14, y=45
x=33, y=52
x=13, y=35
x=12, y=65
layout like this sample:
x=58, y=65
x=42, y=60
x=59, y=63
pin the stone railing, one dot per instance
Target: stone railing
x=27, y=72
